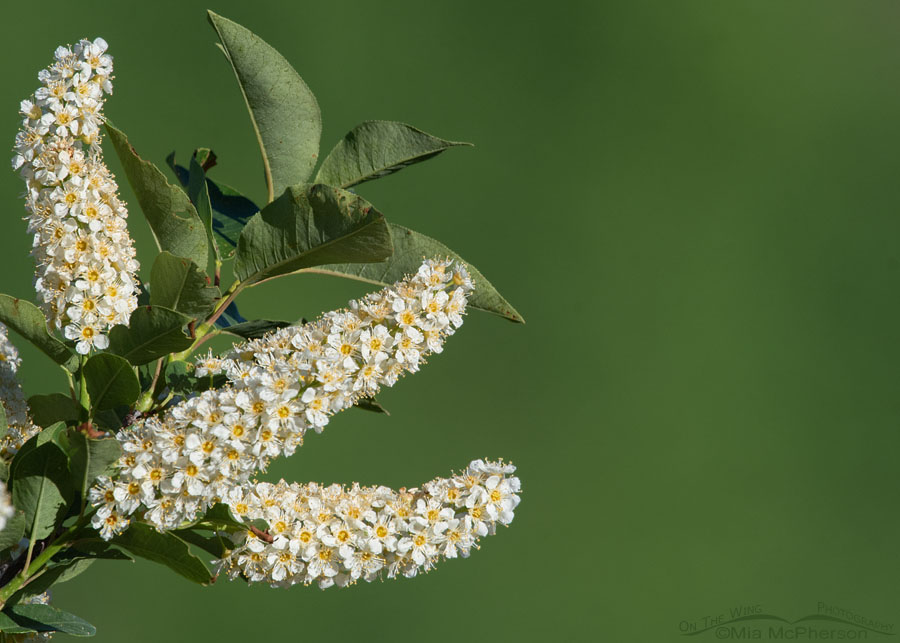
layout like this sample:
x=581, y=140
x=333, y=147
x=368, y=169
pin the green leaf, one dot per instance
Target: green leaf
x=152, y=331
x=9, y=626
x=256, y=328
x=165, y=548
x=231, y=209
x=13, y=532
x=40, y=487
x=28, y=321
x=211, y=544
x=4, y=426
x=221, y=516
x=111, y=381
x=310, y=227
x=178, y=284
x=198, y=191
x=410, y=248
x=53, y=574
x=46, y=618
x=55, y=407
x=90, y=458
x=371, y=404
x=170, y=213
x=283, y=110
x=377, y=148
x=4, y=470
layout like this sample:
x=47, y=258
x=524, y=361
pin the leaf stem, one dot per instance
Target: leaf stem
x=32, y=567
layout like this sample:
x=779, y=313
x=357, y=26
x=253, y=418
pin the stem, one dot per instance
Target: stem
x=32, y=567
x=207, y=330
x=83, y=397
x=230, y=295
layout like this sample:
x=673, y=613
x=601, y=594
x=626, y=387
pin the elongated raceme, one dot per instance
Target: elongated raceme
x=85, y=274
x=176, y=466
x=336, y=536
x=20, y=428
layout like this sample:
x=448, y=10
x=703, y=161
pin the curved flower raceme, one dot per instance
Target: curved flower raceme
x=86, y=269
x=336, y=536
x=19, y=425
x=176, y=466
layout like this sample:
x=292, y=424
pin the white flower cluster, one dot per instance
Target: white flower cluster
x=20, y=428
x=6, y=507
x=86, y=268
x=280, y=385
x=336, y=536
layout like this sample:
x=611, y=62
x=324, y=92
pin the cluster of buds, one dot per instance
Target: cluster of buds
x=176, y=466
x=86, y=269
x=336, y=536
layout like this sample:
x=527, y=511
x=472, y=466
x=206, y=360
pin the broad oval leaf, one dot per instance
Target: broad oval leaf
x=28, y=321
x=152, y=331
x=254, y=329
x=13, y=532
x=55, y=407
x=90, y=458
x=310, y=226
x=178, y=284
x=172, y=217
x=284, y=112
x=40, y=487
x=111, y=381
x=230, y=209
x=410, y=248
x=377, y=148
x=165, y=548
x=46, y=618
x=198, y=192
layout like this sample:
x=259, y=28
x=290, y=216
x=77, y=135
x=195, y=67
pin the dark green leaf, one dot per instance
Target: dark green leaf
x=283, y=110
x=256, y=328
x=46, y=618
x=13, y=532
x=111, y=381
x=178, y=284
x=28, y=321
x=90, y=458
x=152, y=331
x=40, y=487
x=172, y=218
x=54, y=574
x=310, y=227
x=4, y=470
x=4, y=427
x=377, y=148
x=9, y=626
x=198, y=191
x=221, y=516
x=89, y=550
x=56, y=407
x=231, y=209
x=371, y=404
x=211, y=544
x=165, y=548
x=410, y=248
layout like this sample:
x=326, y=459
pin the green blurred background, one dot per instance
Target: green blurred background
x=694, y=205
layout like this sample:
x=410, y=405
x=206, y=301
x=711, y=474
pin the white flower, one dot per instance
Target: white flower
x=279, y=386
x=86, y=269
x=12, y=398
x=347, y=534
x=6, y=507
